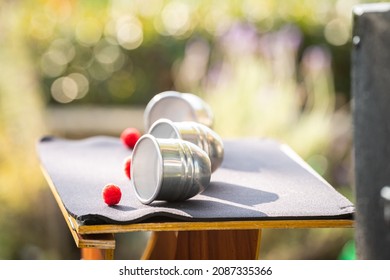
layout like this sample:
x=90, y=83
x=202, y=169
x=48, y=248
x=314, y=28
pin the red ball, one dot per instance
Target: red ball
x=130, y=136
x=127, y=166
x=111, y=194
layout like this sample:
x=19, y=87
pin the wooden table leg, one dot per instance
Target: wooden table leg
x=97, y=254
x=96, y=246
x=218, y=244
x=161, y=246
x=205, y=245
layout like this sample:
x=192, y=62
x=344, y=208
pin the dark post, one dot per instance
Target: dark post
x=371, y=117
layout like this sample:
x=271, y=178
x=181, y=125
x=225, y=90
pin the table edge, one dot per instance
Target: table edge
x=220, y=225
x=77, y=228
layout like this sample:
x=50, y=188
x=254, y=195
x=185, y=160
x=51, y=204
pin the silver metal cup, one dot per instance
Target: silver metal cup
x=177, y=106
x=168, y=169
x=196, y=133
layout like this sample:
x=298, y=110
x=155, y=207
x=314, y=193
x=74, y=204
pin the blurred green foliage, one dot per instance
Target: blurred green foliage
x=112, y=52
x=268, y=69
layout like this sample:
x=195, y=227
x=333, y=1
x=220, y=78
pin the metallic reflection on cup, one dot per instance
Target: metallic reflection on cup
x=194, y=132
x=168, y=169
x=177, y=106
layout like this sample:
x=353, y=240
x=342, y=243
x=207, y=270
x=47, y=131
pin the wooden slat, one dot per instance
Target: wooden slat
x=224, y=225
x=161, y=246
x=96, y=254
x=101, y=241
x=218, y=245
x=204, y=245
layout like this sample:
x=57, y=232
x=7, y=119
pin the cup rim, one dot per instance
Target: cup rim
x=148, y=137
x=165, y=121
x=163, y=95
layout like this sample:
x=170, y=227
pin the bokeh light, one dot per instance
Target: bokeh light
x=66, y=89
x=278, y=69
x=88, y=31
x=337, y=32
x=129, y=32
x=175, y=18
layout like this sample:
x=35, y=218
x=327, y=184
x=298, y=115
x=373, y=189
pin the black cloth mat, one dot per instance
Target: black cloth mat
x=260, y=179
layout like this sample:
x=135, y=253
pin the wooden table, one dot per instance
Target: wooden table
x=230, y=238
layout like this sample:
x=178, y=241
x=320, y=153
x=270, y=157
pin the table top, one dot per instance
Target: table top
x=261, y=183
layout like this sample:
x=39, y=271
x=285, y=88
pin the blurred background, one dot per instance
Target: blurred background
x=75, y=69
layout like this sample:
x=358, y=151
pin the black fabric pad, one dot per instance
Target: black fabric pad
x=259, y=179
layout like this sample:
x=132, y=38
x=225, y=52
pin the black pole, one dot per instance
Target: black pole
x=371, y=117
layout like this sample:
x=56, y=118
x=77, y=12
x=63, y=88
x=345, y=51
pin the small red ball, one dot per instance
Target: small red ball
x=130, y=136
x=111, y=194
x=127, y=166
